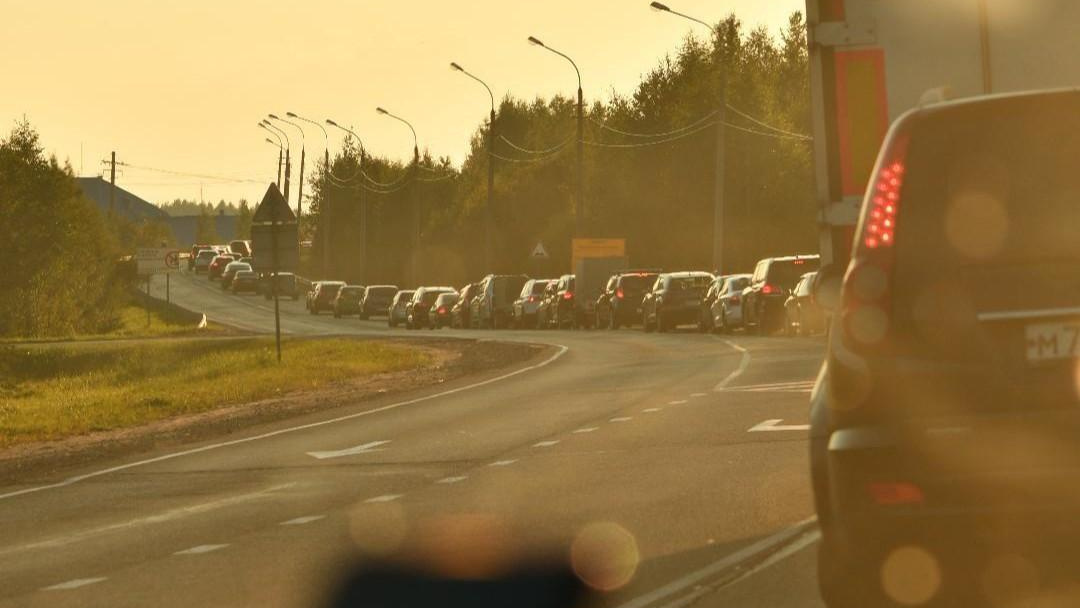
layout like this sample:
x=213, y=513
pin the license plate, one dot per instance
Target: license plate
x=1050, y=341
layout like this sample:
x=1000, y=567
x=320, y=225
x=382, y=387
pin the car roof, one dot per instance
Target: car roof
x=684, y=274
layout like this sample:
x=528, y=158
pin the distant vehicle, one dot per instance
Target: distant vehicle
x=946, y=413
x=419, y=307
x=195, y=251
x=287, y=286
x=240, y=247
x=230, y=271
x=217, y=266
x=247, y=260
x=803, y=315
x=674, y=300
x=440, y=311
x=245, y=281
x=347, y=301
x=770, y=285
x=591, y=276
x=203, y=260
x=376, y=300
x=461, y=313
x=397, y=311
x=620, y=303
x=495, y=299
x=726, y=307
x=706, y=322
x=322, y=294
x=545, y=316
x=562, y=310
x=527, y=302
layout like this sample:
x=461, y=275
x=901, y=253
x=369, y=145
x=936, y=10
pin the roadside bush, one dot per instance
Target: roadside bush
x=59, y=256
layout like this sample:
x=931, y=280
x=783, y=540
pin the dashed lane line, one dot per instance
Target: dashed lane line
x=384, y=498
x=545, y=444
x=677, y=402
x=503, y=463
x=74, y=583
x=587, y=429
x=650, y=410
x=456, y=479
x=200, y=549
x=621, y=419
x=299, y=521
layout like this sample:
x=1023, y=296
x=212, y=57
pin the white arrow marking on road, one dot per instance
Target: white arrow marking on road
x=75, y=584
x=360, y=449
x=774, y=425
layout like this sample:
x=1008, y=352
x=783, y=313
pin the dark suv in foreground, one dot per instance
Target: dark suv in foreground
x=945, y=422
x=620, y=304
x=771, y=284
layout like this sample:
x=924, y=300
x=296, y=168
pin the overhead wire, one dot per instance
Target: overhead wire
x=644, y=144
x=760, y=123
x=195, y=175
x=551, y=150
x=692, y=125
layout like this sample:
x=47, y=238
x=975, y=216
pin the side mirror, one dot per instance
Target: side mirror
x=826, y=287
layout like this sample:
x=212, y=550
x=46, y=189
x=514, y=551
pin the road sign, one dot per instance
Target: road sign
x=539, y=252
x=596, y=248
x=274, y=234
x=154, y=260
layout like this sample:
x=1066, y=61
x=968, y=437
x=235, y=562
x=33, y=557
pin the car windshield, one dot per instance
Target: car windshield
x=808, y=334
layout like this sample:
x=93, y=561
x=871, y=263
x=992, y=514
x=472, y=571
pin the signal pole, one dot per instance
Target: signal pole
x=112, y=185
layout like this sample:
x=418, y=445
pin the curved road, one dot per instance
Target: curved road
x=690, y=443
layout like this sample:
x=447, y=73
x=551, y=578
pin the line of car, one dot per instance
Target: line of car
x=777, y=296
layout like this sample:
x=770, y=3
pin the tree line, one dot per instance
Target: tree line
x=648, y=174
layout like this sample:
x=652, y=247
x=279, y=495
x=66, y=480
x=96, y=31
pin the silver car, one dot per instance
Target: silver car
x=397, y=307
x=727, y=307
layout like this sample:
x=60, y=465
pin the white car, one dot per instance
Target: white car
x=727, y=307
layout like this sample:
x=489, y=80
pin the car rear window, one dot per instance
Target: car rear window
x=538, y=287
x=991, y=197
x=637, y=282
x=786, y=273
x=694, y=282
x=382, y=292
x=352, y=291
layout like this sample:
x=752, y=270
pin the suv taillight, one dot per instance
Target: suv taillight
x=569, y=295
x=619, y=293
x=770, y=289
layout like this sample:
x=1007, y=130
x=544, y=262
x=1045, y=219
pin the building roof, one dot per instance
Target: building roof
x=125, y=204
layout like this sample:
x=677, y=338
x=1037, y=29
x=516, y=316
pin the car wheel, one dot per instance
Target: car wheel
x=645, y=325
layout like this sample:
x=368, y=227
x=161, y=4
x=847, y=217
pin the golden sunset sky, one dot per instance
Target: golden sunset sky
x=181, y=85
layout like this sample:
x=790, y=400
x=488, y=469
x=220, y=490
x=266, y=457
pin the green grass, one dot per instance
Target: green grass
x=58, y=391
x=132, y=323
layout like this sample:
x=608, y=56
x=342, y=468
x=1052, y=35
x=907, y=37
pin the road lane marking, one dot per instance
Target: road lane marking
x=200, y=549
x=545, y=444
x=163, y=517
x=562, y=350
x=587, y=429
x=74, y=584
x=299, y=521
x=503, y=463
x=678, y=402
x=385, y=498
x=774, y=425
x=688, y=581
x=696, y=395
x=365, y=448
x=801, y=386
x=621, y=419
x=448, y=480
x=743, y=363
x=650, y=410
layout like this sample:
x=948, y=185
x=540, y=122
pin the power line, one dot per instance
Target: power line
x=195, y=175
x=521, y=160
x=551, y=150
x=766, y=125
x=644, y=144
x=766, y=133
x=604, y=125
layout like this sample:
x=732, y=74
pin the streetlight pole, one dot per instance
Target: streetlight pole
x=579, y=202
x=266, y=124
x=414, y=255
x=363, y=204
x=489, y=212
x=721, y=143
x=280, y=152
x=324, y=219
x=303, y=154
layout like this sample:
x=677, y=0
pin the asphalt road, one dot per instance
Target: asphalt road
x=684, y=453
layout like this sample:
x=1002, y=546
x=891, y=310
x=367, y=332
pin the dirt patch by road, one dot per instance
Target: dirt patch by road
x=452, y=360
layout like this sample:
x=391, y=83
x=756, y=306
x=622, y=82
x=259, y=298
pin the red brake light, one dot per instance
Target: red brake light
x=532, y=298
x=883, y=199
x=568, y=295
x=734, y=299
x=442, y=310
x=619, y=293
x=799, y=262
x=769, y=289
x=896, y=493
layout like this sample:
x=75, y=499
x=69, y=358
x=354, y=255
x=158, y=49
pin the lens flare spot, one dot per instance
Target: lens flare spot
x=378, y=529
x=1010, y=580
x=976, y=225
x=605, y=555
x=911, y=576
x=868, y=324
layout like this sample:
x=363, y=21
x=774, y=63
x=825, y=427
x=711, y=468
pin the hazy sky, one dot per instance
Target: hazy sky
x=181, y=85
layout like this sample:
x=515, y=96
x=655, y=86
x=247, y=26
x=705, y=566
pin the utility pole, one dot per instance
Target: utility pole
x=300, y=188
x=326, y=198
x=288, y=171
x=719, y=174
x=415, y=187
x=489, y=212
x=112, y=185
x=579, y=199
x=279, y=159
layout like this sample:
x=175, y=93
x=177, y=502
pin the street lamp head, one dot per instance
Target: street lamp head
x=381, y=111
x=291, y=115
x=455, y=66
x=660, y=7
x=535, y=40
x=270, y=141
x=273, y=116
x=331, y=123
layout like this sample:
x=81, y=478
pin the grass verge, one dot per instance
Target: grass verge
x=131, y=322
x=61, y=391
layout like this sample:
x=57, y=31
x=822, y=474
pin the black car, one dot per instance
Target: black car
x=944, y=422
x=620, y=304
x=461, y=313
x=495, y=299
x=418, y=309
x=803, y=314
x=347, y=301
x=528, y=303
x=545, y=315
x=772, y=282
x=245, y=281
x=376, y=300
x=322, y=294
x=674, y=300
x=439, y=316
x=562, y=311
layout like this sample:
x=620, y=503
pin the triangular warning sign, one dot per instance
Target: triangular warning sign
x=273, y=208
x=539, y=251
